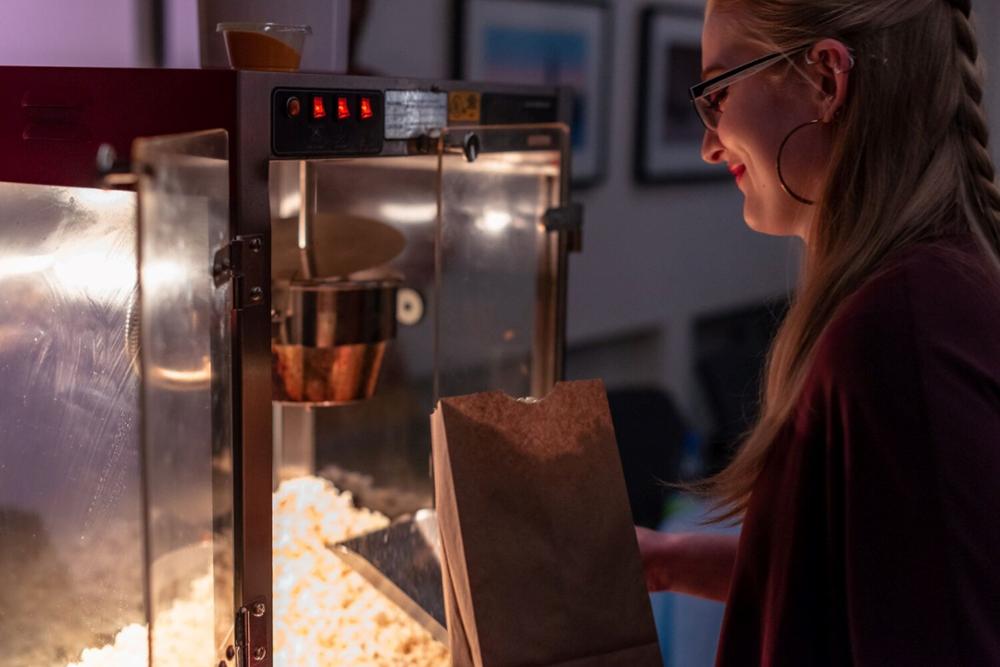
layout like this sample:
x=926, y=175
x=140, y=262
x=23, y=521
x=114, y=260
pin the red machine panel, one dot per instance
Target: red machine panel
x=53, y=119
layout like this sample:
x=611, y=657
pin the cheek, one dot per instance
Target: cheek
x=754, y=132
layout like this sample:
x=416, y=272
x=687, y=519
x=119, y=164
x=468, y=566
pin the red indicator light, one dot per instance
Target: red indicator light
x=343, y=111
x=294, y=107
x=366, y=108
x=319, y=111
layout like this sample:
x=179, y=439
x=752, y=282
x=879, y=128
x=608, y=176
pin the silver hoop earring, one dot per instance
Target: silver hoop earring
x=781, y=177
x=851, y=62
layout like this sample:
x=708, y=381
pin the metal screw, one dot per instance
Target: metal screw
x=256, y=294
x=256, y=245
x=259, y=653
x=259, y=609
x=222, y=663
x=230, y=652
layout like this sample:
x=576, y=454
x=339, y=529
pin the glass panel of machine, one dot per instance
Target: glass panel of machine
x=460, y=248
x=353, y=390
x=70, y=513
x=184, y=337
x=378, y=447
x=493, y=258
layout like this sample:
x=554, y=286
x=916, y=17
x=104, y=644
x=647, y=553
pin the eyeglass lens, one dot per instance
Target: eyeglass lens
x=707, y=112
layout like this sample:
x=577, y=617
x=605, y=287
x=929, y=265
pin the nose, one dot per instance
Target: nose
x=711, y=148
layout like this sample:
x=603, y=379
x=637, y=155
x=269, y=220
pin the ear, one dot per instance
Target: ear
x=829, y=65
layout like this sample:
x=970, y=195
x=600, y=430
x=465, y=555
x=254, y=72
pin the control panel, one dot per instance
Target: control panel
x=316, y=122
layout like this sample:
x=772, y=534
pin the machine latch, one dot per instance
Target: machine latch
x=112, y=173
x=252, y=621
x=242, y=261
x=569, y=219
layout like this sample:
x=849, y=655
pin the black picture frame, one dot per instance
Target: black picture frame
x=668, y=132
x=575, y=37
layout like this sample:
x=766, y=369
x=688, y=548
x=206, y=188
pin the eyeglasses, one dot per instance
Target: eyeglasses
x=708, y=96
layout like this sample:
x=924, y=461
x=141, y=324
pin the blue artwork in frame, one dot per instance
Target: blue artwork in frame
x=555, y=43
x=512, y=54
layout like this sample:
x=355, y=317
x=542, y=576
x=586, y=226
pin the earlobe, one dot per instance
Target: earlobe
x=838, y=96
x=831, y=109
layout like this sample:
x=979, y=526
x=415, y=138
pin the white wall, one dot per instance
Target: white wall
x=408, y=38
x=95, y=33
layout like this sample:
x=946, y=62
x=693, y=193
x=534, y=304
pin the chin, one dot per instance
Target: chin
x=757, y=222
x=771, y=230
x=771, y=225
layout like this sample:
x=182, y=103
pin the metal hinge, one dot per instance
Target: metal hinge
x=242, y=261
x=252, y=621
x=569, y=219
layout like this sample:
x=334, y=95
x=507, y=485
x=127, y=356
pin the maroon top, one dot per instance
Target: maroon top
x=873, y=533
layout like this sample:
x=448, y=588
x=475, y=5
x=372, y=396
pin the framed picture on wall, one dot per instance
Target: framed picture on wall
x=545, y=42
x=669, y=134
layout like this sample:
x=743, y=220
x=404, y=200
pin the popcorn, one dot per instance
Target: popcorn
x=183, y=633
x=324, y=612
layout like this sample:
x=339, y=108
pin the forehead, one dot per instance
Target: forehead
x=724, y=43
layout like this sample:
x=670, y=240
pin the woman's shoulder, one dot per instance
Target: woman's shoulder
x=915, y=346
x=935, y=293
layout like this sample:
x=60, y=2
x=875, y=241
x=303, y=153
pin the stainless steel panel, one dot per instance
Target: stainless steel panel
x=252, y=454
x=70, y=529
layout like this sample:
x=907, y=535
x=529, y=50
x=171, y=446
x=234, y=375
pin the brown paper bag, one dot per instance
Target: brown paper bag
x=541, y=565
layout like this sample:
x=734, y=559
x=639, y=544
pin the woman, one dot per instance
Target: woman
x=870, y=487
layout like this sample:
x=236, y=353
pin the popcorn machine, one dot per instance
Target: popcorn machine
x=230, y=302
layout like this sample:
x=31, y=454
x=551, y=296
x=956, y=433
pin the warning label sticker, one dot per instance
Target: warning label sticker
x=464, y=107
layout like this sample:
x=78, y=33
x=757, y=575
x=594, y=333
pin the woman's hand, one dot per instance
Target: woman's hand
x=699, y=564
x=654, y=550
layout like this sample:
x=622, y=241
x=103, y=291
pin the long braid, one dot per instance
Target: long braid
x=972, y=119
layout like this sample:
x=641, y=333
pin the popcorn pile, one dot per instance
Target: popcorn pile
x=325, y=614
x=183, y=632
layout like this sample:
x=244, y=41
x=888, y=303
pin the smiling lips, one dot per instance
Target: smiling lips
x=737, y=170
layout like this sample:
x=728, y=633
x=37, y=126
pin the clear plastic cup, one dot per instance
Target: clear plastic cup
x=266, y=46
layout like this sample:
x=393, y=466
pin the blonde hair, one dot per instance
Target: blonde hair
x=911, y=164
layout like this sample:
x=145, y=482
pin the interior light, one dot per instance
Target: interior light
x=23, y=265
x=494, y=222
x=409, y=213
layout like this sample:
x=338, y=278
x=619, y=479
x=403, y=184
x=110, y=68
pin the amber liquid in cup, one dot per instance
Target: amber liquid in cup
x=254, y=50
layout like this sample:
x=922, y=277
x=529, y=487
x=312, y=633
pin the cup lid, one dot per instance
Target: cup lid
x=263, y=27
